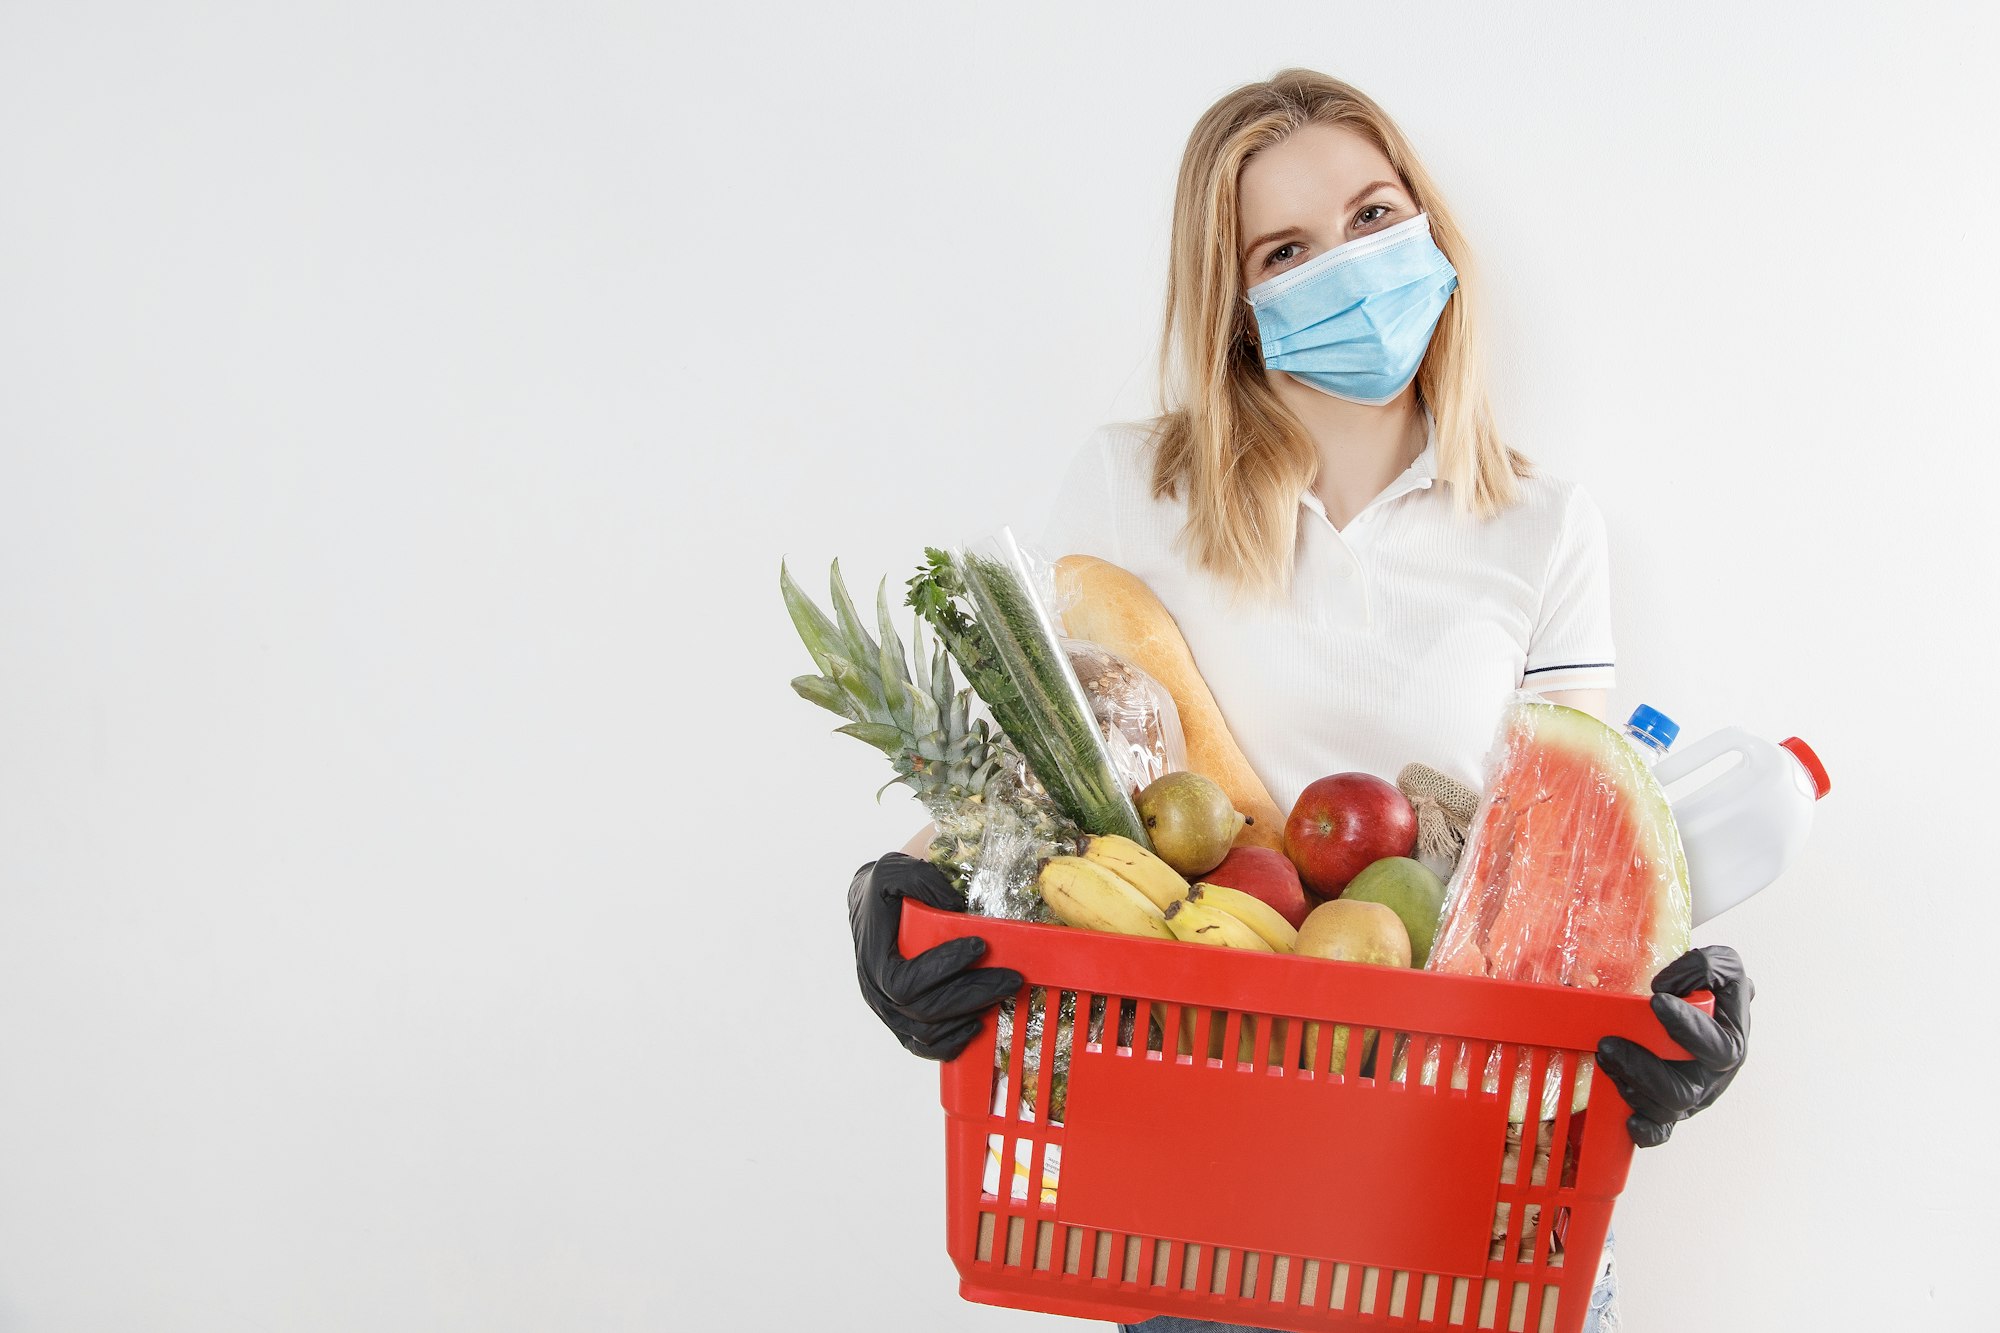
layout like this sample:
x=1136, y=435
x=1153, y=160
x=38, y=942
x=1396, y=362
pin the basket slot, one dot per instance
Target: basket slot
x=1341, y=1287
x=1246, y=1275
x=1428, y=1299
x=1282, y=1270
x=1510, y=1071
x=1551, y=1304
x=1572, y=1132
x=1503, y=1216
x=1528, y=1252
x=1232, y=1052
x=1564, y=1068
x=1128, y=1025
x=1100, y=1258
x=1250, y=1029
x=1194, y=1256
x=1003, y=1042
x=1461, y=1297
x=1045, y=1240
x=1133, y=1248
x=1032, y=1086
x=1371, y=1281
x=1073, y=1249
x=1018, y=1009
x=1489, y=1301
x=1517, y=1309
x=1395, y=1073
x=1054, y=1051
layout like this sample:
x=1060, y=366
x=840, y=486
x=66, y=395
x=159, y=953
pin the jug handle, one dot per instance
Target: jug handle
x=1704, y=751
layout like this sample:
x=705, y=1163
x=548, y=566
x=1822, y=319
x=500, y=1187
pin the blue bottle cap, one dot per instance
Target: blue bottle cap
x=1653, y=726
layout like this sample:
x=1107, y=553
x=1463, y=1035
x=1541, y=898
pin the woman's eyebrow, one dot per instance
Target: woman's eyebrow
x=1280, y=234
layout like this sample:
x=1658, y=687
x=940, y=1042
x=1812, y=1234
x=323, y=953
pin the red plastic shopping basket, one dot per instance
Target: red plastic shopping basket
x=1272, y=1189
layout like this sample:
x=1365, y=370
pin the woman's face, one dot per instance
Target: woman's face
x=1323, y=186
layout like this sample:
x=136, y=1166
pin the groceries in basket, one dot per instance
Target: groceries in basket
x=1085, y=776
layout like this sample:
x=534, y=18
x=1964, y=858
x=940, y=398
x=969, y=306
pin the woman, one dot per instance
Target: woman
x=1363, y=570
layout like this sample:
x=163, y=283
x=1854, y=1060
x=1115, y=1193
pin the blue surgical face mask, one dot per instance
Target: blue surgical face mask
x=1354, y=322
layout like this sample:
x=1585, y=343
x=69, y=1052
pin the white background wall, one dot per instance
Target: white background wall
x=421, y=898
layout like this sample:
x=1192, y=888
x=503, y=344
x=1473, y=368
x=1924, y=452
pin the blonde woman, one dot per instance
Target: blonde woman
x=1363, y=568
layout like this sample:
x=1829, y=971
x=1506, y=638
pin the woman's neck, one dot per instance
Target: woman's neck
x=1361, y=448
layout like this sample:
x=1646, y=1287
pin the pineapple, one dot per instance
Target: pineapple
x=961, y=769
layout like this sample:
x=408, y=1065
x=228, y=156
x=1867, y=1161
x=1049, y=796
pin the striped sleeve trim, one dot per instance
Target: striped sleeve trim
x=1570, y=666
x=1570, y=676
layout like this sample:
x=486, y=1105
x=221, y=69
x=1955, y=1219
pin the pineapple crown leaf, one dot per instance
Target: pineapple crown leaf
x=863, y=651
x=856, y=686
x=893, y=663
x=819, y=690
x=815, y=630
x=884, y=737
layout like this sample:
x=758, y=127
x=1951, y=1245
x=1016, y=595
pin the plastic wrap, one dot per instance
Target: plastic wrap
x=1025, y=678
x=1139, y=720
x=1018, y=830
x=1572, y=872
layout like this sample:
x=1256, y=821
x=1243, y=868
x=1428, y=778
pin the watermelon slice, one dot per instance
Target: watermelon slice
x=1572, y=873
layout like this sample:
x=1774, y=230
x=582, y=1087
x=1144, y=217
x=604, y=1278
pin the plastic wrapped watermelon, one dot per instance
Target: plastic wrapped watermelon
x=1572, y=873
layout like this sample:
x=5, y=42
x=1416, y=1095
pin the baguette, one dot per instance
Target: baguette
x=1115, y=609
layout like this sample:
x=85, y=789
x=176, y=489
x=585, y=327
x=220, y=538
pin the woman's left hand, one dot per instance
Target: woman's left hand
x=1661, y=1092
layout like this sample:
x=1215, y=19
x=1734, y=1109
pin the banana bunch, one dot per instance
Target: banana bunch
x=1083, y=892
x=1120, y=886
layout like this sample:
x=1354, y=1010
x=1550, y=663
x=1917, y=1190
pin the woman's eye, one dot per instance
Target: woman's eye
x=1370, y=209
x=1273, y=257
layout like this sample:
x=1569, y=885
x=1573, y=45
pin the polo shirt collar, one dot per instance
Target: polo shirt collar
x=1419, y=475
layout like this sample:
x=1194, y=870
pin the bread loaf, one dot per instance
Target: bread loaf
x=1114, y=608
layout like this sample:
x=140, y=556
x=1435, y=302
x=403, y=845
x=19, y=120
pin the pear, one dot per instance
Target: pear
x=1190, y=821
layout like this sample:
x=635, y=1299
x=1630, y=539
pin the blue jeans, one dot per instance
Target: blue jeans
x=1603, y=1316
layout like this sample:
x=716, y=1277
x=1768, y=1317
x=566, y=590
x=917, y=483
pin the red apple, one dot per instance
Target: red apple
x=1265, y=873
x=1344, y=823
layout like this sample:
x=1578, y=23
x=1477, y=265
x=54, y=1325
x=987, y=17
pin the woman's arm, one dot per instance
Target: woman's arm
x=1593, y=702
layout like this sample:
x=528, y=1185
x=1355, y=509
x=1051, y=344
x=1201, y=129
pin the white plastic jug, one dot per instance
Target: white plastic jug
x=1744, y=824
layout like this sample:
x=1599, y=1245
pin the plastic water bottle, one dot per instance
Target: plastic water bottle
x=1651, y=732
x=1745, y=823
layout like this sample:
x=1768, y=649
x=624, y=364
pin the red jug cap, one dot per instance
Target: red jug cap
x=1810, y=762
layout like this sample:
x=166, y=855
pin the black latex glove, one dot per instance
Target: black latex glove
x=934, y=1001
x=1661, y=1092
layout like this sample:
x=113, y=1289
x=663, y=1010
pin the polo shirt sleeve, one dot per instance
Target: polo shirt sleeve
x=1080, y=518
x=1570, y=648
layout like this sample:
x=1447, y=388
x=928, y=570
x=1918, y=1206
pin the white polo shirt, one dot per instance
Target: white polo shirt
x=1404, y=633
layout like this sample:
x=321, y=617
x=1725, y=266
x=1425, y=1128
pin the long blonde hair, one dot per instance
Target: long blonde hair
x=1224, y=436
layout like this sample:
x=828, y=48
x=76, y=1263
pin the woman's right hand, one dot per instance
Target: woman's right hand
x=933, y=1002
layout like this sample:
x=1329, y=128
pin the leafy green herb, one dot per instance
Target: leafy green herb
x=1012, y=660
